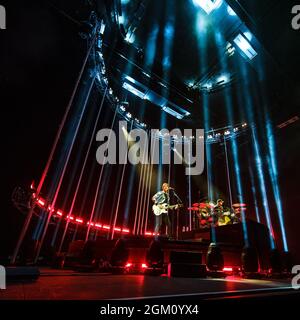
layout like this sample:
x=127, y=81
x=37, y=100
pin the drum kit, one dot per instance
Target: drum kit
x=208, y=213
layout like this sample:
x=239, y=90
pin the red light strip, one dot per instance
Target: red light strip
x=228, y=269
x=41, y=202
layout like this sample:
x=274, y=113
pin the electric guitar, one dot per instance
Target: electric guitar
x=158, y=209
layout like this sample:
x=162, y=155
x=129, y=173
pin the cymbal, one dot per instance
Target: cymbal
x=203, y=205
x=193, y=208
x=239, y=205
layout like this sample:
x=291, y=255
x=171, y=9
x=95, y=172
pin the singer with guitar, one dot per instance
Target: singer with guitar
x=161, y=208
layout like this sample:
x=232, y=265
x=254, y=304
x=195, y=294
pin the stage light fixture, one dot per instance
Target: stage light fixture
x=230, y=49
x=214, y=258
x=130, y=38
x=208, y=5
x=222, y=79
x=102, y=27
x=121, y=19
x=230, y=11
x=248, y=35
x=244, y=45
x=172, y=112
x=133, y=90
x=41, y=202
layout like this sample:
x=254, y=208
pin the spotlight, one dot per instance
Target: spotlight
x=207, y=86
x=222, y=79
x=105, y=80
x=110, y=91
x=244, y=45
x=130, y=38
x=248, y=35
x=230, y=50
x=230, y=11
x=244, y=125
x=122, y=108
x=208, y=5
x=226, y=133
x=102, y=27
x=121, y=19
x=209, y=136
x=129, y=115
x=214, y=258
x=235, y=129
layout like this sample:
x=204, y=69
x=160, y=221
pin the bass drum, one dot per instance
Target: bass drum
x=224, y=219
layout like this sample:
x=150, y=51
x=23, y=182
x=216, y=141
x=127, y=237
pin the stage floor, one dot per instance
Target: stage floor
x=70, y=285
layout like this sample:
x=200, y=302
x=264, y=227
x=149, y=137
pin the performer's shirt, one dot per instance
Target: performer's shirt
x=161, y=197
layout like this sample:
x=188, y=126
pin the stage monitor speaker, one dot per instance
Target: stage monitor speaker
x=131, y=249
x=22, y=273
x=187, y=270
x=275, y=261
x=185, y=257
x=249, y=260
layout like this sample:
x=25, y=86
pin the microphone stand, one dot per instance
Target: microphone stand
x=177, y=220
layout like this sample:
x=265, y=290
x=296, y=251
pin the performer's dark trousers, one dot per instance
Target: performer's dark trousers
x=160, y=220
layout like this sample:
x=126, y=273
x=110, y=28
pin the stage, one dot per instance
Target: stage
x=69, y=285
x=158, y=160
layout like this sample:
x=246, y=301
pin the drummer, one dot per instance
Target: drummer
x=221, y=213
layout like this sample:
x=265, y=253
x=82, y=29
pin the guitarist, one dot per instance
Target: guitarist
x=162, y=197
